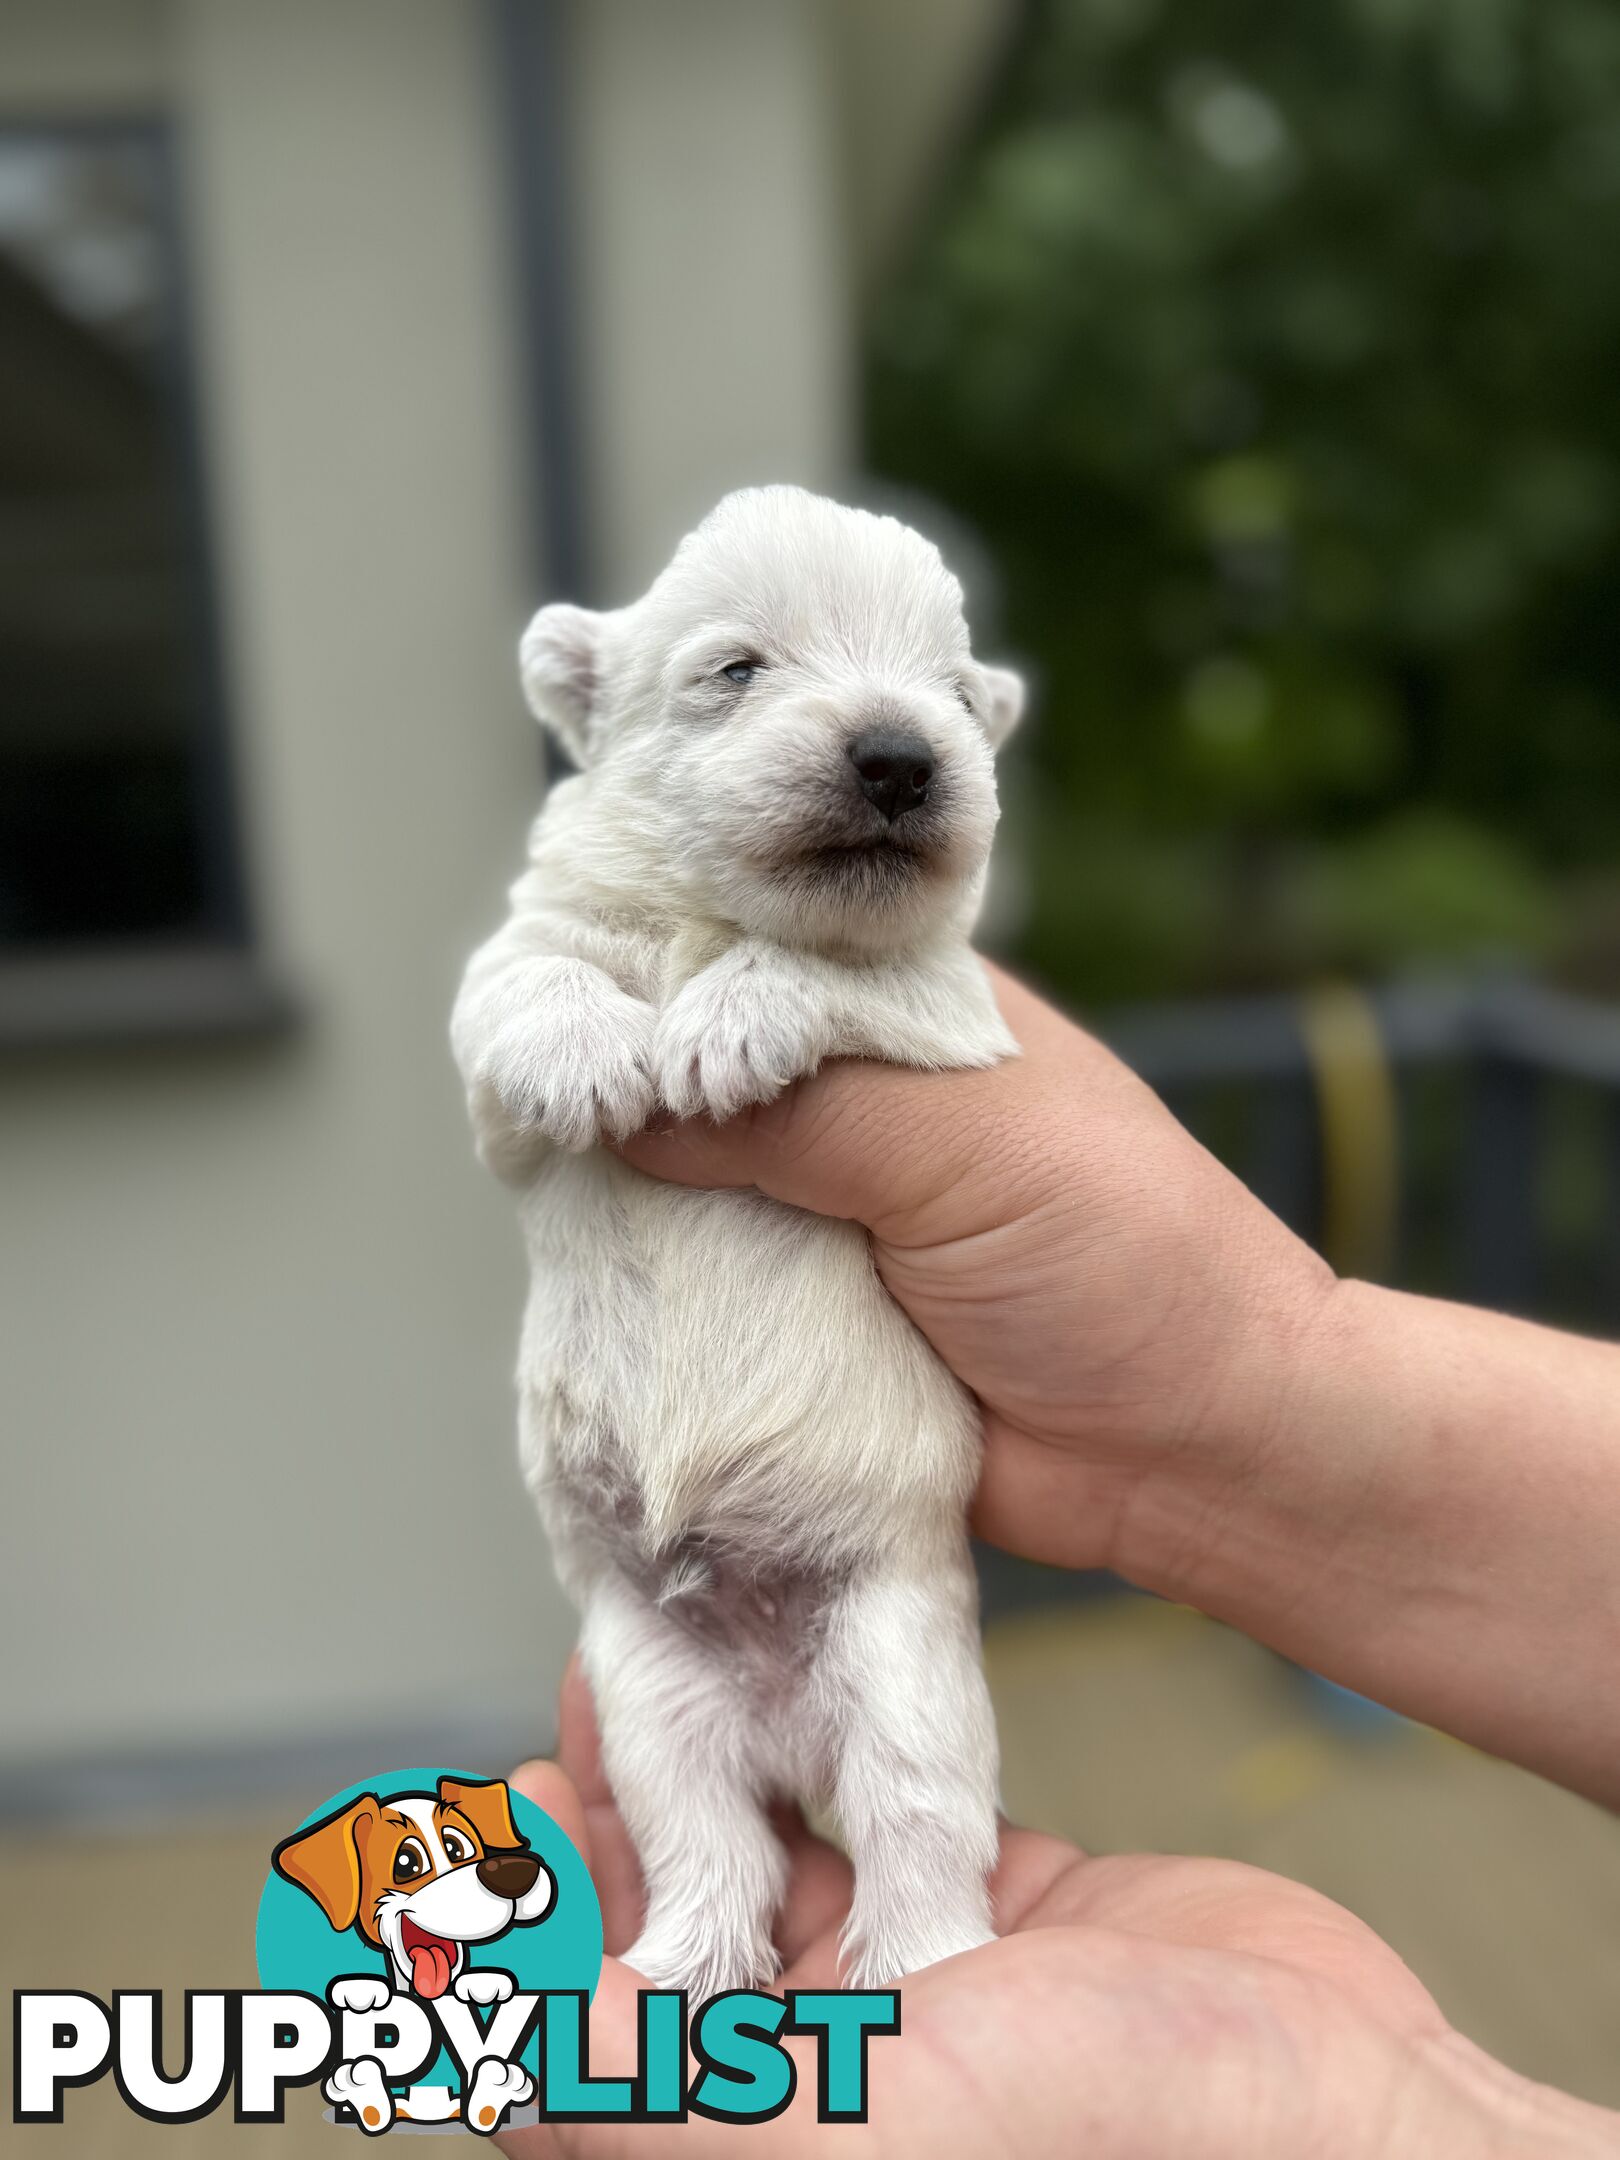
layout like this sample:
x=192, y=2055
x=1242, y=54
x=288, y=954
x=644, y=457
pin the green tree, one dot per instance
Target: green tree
x=1274, y=353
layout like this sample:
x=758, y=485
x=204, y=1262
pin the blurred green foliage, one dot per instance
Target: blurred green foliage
x=1274, y=352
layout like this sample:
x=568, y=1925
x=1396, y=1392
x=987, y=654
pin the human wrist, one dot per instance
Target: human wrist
x=1300, y=1484
x=1377, y=1526
x=1475, y=2104
x=1242, y=1439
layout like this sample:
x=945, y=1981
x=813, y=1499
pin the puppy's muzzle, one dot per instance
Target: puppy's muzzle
x=508, y=1874
x=893, y=771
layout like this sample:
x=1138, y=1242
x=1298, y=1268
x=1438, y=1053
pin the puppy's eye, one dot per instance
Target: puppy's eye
x=740, y=672
x=456, y=1848
x=411, y=1861
x=964, y=696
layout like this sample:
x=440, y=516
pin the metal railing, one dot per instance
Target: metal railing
x=1463, y=1138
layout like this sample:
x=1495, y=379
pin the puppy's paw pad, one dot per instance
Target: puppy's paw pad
x=360, y=1992
x=361, y=2086
x=484, y=1985
x=496, y=2087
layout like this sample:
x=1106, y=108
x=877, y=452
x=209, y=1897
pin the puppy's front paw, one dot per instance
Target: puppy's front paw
x=360, y=2085
x=359, y=1992
x=483, y=1984
x=737, y=1034
x=577, y=1067
x=496, y=2086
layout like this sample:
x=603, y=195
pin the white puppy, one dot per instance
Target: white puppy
x=753, y=1469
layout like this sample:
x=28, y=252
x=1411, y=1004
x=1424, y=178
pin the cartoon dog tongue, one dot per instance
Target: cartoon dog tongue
x=431, y=1961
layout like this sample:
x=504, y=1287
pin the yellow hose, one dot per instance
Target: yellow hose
x=1356, y=1111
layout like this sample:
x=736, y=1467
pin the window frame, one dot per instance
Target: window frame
x=209, y=979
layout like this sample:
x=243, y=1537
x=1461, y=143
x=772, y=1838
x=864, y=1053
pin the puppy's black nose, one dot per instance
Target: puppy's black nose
x=894, y=770
x=508, y=1874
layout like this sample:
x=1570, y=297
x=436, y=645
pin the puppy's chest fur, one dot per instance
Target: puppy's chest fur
x=719, y=1396
x=719, y=1392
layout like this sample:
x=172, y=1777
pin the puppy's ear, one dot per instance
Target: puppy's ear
x=1004, y=702
x=488, y=1807
x=557, y=664
x=324, y=1860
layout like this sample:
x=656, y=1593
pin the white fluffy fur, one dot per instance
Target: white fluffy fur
x=753, y=1469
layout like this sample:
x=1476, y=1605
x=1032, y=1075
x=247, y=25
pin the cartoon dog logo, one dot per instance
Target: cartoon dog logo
x=419, y=1877
x=422, y=1875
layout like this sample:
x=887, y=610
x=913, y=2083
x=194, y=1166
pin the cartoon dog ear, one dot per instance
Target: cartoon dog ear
x=488, y=1807
x=1004, y=694
x=557, y=665
x=324, y=1860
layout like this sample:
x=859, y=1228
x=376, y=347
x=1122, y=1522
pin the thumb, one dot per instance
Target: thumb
x=913, y=1155
x=870, y=1143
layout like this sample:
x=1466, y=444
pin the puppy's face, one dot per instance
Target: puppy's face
x=790, y=732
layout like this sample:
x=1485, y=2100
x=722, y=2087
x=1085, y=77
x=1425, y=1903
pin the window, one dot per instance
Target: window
x=118, y=851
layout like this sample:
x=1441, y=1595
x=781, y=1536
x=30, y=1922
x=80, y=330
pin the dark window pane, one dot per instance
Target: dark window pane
x=110, y=810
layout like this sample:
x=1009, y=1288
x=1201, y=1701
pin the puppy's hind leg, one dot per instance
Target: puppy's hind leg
x=907, y=1719
x=682, y=1751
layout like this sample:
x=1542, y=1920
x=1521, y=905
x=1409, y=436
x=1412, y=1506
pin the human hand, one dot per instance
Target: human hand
x=1116, y=1300
x=1175, y=1387
x=1132, y=2006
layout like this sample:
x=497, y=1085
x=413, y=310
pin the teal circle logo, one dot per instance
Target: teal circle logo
x=426, y=1879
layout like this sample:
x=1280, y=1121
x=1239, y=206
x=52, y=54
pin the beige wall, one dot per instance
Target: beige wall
x=746, y=171
x=714, y=345
x=911, y=75
x=258, y=1304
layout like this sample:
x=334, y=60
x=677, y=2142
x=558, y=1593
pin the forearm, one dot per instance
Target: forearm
x=1422, y=1502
